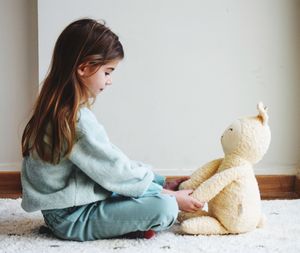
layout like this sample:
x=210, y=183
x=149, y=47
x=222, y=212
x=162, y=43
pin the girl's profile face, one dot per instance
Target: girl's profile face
x=97, y=82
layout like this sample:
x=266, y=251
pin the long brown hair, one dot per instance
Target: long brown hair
x=51, y=130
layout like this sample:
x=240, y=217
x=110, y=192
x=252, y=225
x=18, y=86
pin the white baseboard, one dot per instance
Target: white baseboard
x=274, y=170
x=277, y=170
x=10, y=166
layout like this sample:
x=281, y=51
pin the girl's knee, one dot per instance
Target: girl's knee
x=166, y=209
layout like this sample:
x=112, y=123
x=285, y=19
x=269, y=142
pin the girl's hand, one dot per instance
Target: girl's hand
x=173, y=184
x=185, y=202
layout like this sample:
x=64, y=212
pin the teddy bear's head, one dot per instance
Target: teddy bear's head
x=249, y=137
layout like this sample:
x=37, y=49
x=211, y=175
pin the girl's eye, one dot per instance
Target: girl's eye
x=107, y=74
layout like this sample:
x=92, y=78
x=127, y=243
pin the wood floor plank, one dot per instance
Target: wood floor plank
x=270, y=186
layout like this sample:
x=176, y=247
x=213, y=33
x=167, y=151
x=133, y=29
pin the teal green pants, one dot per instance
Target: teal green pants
x=112, y=217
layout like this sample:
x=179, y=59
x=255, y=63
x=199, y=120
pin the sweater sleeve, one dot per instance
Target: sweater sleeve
x=158, y=179
x=154, y=189
x=158, y=182
x=106, y=165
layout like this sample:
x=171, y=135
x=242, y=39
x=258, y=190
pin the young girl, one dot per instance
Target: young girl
x=85, y=187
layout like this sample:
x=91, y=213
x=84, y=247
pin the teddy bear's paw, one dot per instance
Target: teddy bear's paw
x=205, y=225
x=182, y=216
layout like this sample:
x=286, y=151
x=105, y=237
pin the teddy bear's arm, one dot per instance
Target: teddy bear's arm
x=211, y=187
x=201, y=174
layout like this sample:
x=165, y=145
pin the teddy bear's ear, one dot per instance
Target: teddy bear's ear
x=262, y=113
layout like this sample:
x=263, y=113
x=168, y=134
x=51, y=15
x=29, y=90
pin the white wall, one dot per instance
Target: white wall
x=190, y=69
x=18, y=75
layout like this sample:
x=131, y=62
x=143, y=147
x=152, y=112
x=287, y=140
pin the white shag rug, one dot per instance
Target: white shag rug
x=19, y=233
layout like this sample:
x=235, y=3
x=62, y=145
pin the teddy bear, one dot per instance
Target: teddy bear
x=228, y=184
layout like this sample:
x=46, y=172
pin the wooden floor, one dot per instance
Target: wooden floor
x=271, y=186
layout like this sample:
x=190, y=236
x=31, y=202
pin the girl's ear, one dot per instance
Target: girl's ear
x=82, y=70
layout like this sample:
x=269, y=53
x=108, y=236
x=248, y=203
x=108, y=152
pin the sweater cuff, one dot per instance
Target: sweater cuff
x=159, y=179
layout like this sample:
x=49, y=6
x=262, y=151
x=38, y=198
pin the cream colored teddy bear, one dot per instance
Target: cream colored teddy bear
x=229, y=184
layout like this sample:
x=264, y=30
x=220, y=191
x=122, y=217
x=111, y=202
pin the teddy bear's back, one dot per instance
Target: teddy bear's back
x=238, y=205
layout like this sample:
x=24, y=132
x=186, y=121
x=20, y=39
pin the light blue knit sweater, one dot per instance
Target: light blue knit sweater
x=92, y=172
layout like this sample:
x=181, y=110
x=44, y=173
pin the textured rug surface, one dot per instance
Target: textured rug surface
x=19, y=233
